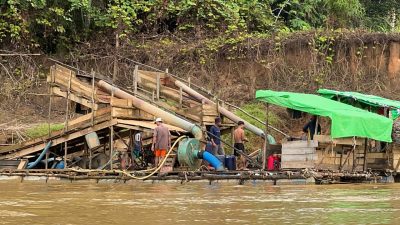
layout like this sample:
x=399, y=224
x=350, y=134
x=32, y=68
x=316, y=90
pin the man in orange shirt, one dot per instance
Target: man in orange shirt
x=161, y=141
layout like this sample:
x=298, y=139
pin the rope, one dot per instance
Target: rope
x=132, y=176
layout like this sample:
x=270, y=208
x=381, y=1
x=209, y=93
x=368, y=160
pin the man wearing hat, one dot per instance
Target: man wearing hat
x=161, y=141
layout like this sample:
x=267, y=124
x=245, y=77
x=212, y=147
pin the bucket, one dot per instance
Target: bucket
x=221, y=158
x=230, y=162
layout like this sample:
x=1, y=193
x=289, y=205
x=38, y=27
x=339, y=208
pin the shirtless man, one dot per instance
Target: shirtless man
x=239, y=140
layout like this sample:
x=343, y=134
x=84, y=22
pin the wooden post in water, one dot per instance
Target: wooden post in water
x=65, y=154
x=111, y=146
x=66, y=119
x=365, y=155
x=111, y=136
x=47, y=160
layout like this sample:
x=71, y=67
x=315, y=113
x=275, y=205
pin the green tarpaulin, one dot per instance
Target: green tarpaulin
x=346, y=120
x=368, y=102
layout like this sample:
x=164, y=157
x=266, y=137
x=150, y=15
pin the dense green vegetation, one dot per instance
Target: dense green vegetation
x=51, y=25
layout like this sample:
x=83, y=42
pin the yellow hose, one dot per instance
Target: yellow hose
x=138, y=178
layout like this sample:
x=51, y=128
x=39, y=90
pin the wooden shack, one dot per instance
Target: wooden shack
x=342, y=150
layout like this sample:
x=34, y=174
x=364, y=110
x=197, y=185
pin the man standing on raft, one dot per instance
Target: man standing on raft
x=161, y=141
x=239, y=138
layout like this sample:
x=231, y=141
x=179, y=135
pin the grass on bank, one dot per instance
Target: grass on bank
x=43, y=129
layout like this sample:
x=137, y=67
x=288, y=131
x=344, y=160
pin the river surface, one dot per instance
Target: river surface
x=197, y=203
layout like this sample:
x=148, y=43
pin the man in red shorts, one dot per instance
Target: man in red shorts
x=161, y=141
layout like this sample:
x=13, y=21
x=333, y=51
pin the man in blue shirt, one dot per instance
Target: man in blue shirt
x=216, y=137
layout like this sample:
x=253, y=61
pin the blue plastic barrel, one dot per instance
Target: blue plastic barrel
x=60, y=165
x=230, y=162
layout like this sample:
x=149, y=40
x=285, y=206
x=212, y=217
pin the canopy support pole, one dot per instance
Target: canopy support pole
x=266, y=143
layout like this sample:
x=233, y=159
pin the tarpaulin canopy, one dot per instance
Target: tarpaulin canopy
x=346, y=120
x=370, y=102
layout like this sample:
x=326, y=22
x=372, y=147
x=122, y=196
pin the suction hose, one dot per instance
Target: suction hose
x=139, y=178
x=33, y=164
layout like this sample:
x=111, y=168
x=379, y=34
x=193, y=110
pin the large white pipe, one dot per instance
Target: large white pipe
x=147, y=107
x=221, y=109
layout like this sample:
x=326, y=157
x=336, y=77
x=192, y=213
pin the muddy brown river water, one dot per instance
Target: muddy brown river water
x=197, y=203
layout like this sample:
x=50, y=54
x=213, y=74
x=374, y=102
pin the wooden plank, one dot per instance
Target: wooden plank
x=209, y=119
x=75, y=98
x=151, y=75
x=297, y=165
x=167, y=92
x=121, y=113
x=194, y=110
x=122, y=103
x=210, y=109
x=144, y=129
x=179, y=111
x=147, y=124
x=338, y=141
x=300, y=157
x=87, y=117
x=59, y=140
x=297, y=151
x=379, y=155
x=61, y=78
x=81, y=122
x=299, y=144
x=64, y=69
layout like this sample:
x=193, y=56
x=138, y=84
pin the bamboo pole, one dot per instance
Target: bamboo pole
x=49, y=113
x=180, y=97
x=233, y=136
x=47, y=161
x=111, y=137
x=93, y=81
x=67, y=107
x=115, y=69
x=111, y=146
x=266, y=143
x=90, y=158
x=135, y=79
x=65, y=154
x=365, y=155
x=50, y=98
x=66, y=119
x=158, y=87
